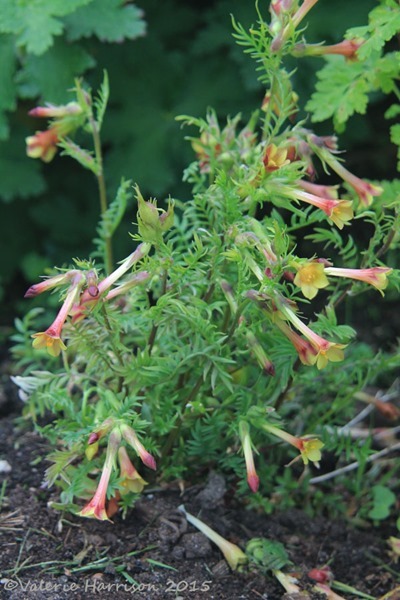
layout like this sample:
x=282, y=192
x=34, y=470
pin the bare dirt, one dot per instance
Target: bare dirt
x=154, y=553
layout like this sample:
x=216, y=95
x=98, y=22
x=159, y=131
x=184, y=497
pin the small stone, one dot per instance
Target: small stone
x=211, y=496
x=5, y=467
x=196, y=545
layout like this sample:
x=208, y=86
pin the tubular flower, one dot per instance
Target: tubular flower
x=376, y=276
x=262, y=359
x=49, y=283
x=310, y=277
x=97, y=506
x=275, y=158
x=51, y=338
x=130, y=436
x=52, y=111
x=252, y=477
x=338, y=211
x=87, y=300
x=308, y=446
x=43, y=144
x=101, y=430
x=305, y=350
x=133, y=281
x=324, y=191
x=131, y=480
x=364, y=190
x=346, y=48
x=234, y=556
x=326, y=351
x=66, y=118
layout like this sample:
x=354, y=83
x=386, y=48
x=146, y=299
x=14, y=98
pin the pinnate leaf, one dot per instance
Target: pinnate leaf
x=109, y=20
x=52, y=74
x=340, y=92
x=384, y=23
x=35, y=22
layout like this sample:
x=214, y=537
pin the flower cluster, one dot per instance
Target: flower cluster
x=131, y=480
x=83, y=293
x=64, y=121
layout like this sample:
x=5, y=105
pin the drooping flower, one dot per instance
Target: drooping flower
x=326, y=351
x=130, y=436
x=310, y=277
x=234, y=556
x=50, y=339
x=97, y=506
x=65, y=119
x=259, y=352
x=52, y=111
x=252, y=477
x=305, y=350
x=308, y=446
x=364, y=190
x=49, y=283
x=131, y=479
x=376, y=276
x=103, y=429
x=43, y=144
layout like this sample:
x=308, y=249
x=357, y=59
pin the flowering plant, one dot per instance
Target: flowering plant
x=203, y=342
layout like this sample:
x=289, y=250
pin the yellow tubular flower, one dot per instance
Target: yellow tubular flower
x=50, y=341
x=311, y=277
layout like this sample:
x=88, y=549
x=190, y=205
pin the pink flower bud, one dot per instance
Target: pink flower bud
x=51, y=111
x=94, y=437
x=130, y=436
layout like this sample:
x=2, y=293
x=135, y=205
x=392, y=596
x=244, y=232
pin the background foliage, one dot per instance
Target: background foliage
x=163, y=59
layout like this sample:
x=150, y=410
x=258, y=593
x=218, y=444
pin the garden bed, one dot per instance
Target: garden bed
x=153, y=553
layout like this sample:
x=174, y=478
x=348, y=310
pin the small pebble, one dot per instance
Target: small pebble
x=5, y=467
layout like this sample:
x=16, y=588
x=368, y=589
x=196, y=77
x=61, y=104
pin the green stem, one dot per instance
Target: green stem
x=108, y=259
x=386, y=245
x=283, y=394
x=154, y=329
x=115, y=349
x=175, y=432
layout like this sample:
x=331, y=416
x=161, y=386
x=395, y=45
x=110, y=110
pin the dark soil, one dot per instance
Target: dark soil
x=54, y=556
